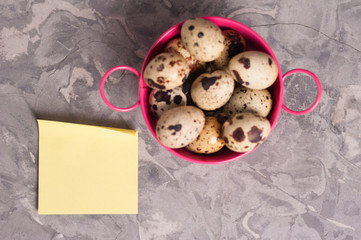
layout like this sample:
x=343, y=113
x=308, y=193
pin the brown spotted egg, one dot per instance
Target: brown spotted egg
x=244, y=131
x=180, y=126
x=234, y=43
x=249, y=100
x=212, y=90
x=203, y=39
x=253, y=69
x=176, y=46
x=166, y=71
x=161, y=101
x=209, y=140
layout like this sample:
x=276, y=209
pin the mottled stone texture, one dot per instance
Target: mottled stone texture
x=302, y=183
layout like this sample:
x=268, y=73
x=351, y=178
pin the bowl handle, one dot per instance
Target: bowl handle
x=101, y=88
x=319, y=92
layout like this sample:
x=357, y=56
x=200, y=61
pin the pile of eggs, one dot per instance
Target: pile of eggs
x=209, y=91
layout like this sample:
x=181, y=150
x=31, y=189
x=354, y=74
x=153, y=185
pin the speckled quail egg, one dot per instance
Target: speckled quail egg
x=209, y=140
x=253, y=69
x=161, y=101
x=203, y=39
x=249, y=100
x=166, y=71
x=212, y=90
x=234, y=43
x=244, y=131
x=180, y=126
x=176, y=46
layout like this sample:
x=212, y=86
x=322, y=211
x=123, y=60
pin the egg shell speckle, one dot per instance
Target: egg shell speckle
x=253, y=69
x=212, y=90
x=203, y=39
x=161, y=101
x=244, y=131
x=209, y=140
x=180, y=126
x=249, y=100
x=176, y=46
x=166, y=71
x=234, y=43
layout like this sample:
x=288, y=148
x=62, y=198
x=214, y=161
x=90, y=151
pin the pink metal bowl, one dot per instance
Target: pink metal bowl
x=254, y=42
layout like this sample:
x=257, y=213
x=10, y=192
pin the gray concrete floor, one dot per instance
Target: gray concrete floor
x=302, y=183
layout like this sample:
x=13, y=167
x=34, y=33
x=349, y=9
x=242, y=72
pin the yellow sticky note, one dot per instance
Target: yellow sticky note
x=87, y=169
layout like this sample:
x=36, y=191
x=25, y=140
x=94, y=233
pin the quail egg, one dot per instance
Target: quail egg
x=180, y=126
x=161, y=101
x=176, y=46
x=234, y=43
x=249, y=100
x=209, y=140
x=242, y=132
x=253, y=69
x=166, y=71
x=212, y=90
x=203, y=39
